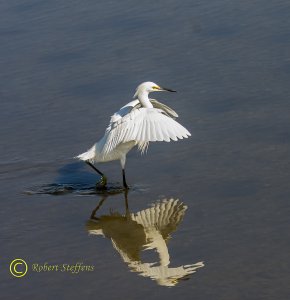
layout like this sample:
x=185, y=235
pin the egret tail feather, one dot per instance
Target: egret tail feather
x=88, y=155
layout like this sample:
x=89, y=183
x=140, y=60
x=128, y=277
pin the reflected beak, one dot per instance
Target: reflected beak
x=167, y=90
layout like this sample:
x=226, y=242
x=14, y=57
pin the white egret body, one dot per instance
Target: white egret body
x=137, y=123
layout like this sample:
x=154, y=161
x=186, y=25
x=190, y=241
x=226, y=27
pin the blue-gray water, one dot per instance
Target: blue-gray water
x=66, y=66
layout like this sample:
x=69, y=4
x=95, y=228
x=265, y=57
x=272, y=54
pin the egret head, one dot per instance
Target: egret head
x=148, y=87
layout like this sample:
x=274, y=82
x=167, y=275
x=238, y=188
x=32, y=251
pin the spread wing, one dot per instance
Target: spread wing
x=142, y=125
x=135, y=104
x=169, y=111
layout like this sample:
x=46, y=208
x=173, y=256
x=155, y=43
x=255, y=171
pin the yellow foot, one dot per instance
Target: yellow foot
x=102, y=183
x=103, y=180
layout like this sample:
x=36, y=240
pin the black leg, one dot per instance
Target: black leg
x=103, y=181
x=124, y=180
x=92, y=166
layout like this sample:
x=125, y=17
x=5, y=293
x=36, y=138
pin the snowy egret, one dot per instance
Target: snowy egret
x=137, y=123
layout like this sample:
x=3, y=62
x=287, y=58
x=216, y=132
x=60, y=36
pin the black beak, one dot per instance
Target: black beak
x=168, y=90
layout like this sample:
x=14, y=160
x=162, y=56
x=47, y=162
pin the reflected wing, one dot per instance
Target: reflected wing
x=164, y=216
x=143, y=125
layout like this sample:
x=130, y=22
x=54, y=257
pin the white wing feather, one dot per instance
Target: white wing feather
x=142, y=125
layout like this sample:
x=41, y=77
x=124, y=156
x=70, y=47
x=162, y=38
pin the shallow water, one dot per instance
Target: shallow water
x=65, y=68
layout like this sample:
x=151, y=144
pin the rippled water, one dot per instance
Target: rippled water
x=217, y=203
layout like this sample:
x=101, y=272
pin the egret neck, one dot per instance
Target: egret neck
x=144, y=100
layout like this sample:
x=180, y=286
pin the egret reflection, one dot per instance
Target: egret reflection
x=132, y=234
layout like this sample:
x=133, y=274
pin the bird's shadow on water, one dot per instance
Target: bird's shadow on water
x=76, y=178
